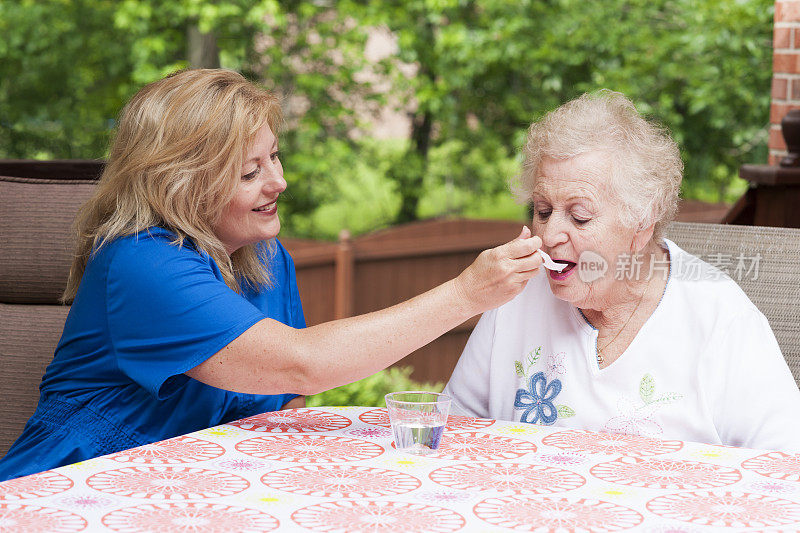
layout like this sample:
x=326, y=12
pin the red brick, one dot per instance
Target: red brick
x=785, y=63
x=781, y=37
x=780, y=88
x=777, y=111
x=794, y=92
x=796, y=41
x=787, y=11
x=776, y=141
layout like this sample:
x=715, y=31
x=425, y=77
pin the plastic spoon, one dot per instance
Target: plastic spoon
x=550, y=264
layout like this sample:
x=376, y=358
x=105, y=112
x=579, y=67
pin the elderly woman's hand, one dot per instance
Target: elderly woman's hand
x=499, y=274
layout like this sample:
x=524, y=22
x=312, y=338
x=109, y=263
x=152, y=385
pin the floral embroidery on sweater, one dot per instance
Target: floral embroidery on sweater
x=555, y=365
x=542, y=387
x=638, y=418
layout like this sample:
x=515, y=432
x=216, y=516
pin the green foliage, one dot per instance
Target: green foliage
x=371, y=390
x=59, y=87
x=408, y=174
x=349, y=183
x=473, y=73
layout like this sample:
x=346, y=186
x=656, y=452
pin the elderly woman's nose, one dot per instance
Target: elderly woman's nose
x=552, y=233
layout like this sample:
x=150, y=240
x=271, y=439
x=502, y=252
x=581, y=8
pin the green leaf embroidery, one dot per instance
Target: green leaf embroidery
x=519, y=370
x=565, y=411
x=647, y=388
x=669, y=397
x=533, y=357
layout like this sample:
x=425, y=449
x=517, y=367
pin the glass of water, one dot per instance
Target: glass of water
x=418, y=419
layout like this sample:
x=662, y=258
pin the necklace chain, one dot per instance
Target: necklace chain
x=600, y=358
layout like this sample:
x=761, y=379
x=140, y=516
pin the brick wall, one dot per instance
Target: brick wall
x=785, y=72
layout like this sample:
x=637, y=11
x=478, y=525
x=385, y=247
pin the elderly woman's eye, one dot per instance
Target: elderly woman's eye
x=580, y=221
x=543, y=214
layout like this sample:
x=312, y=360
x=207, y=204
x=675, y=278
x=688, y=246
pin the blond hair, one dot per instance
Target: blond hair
x=646, y=166
x=175, y=162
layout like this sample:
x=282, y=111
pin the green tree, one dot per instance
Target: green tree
x=59, y=87
x=68, y=66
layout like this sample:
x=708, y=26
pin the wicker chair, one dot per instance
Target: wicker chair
x=774, y=287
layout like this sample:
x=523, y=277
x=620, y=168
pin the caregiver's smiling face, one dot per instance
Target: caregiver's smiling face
x=252, y=215
x=575, y=212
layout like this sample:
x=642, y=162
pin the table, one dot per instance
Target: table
x=335, y=469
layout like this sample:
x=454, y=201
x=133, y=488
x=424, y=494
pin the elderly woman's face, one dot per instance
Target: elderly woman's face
x=252, y=215
x=575, y=214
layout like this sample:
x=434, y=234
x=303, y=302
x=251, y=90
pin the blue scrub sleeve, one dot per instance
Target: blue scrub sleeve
x=168, y=311
x=298, y=319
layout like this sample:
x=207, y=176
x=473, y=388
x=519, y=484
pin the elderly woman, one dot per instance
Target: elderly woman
x=625, y=338
x=186, y=313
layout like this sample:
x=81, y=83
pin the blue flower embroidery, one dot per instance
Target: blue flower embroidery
x=538, y=400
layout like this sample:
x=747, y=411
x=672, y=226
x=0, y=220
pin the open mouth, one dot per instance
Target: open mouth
x=564, y=274
x=570, y=265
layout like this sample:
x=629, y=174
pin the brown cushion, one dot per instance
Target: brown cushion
x=28, y=337
x=36, y=243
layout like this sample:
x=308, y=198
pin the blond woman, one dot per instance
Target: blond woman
x=185, y=312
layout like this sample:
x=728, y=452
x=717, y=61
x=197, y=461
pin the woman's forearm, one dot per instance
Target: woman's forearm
x=368, y=343
x=271, y=358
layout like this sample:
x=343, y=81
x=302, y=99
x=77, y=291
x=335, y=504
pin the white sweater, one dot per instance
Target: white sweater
x=705, y=367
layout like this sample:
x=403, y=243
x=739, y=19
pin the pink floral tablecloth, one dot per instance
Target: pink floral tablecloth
x=335, y=469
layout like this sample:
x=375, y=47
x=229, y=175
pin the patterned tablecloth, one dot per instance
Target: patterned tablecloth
x=335, y=469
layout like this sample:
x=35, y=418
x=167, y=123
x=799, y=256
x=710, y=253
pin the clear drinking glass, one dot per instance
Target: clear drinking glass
x=418, y=419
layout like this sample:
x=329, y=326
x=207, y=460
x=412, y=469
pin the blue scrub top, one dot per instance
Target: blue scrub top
x=146, y=312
